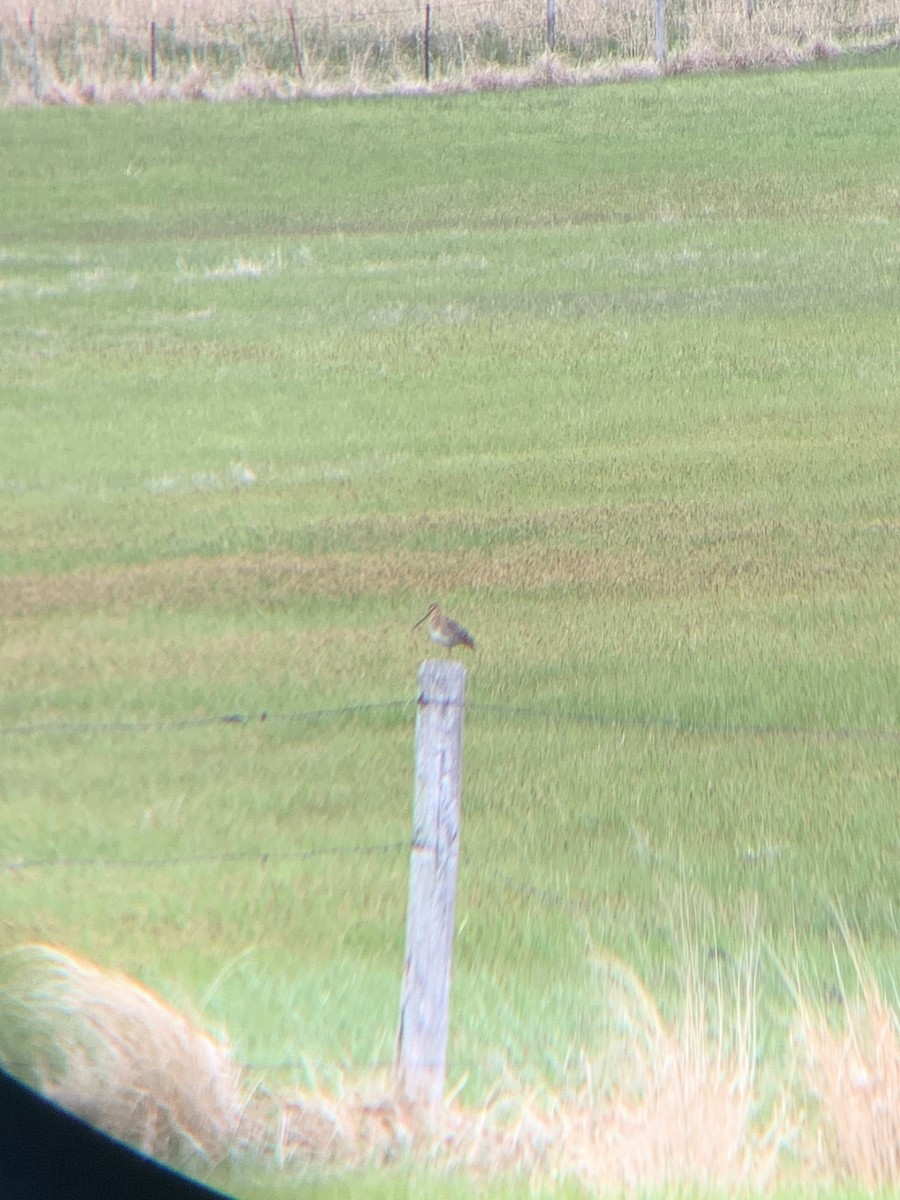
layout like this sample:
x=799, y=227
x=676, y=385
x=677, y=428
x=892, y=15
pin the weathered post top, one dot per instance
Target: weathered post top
x=442, y=680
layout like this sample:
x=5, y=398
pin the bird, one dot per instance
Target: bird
x=444, y=631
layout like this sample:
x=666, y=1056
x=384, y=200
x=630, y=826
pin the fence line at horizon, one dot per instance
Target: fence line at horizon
x=47, y=46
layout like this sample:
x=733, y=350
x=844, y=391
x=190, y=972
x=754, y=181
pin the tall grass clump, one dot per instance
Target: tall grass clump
x=673, y=1103
x=851, y=1070
x=105, y=1047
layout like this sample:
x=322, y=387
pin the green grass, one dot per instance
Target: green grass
x=613, y=373
x=384, y=1184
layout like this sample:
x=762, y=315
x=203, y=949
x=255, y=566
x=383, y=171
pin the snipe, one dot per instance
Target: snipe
x=444, y=631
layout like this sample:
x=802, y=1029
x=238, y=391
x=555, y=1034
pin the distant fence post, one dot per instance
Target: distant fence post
x=660, y=23
x=551, y=25
x=427, y=43
x=421, y=1063
x=34, y=68
x=153, y=52
x=298, y=56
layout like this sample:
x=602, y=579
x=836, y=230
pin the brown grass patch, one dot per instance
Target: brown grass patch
x=276, y=578
x=661, y=550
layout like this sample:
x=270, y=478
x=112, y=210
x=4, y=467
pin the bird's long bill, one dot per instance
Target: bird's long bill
x=421, y=619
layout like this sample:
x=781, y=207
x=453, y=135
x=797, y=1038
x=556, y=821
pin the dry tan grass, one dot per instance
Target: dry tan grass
x=114, y=1053
x=575, y=18
x=853, y=1073
x=678, y=1109
x=682, y=1106
x=665, y=1105
x=84, y=51
x=671, y=1105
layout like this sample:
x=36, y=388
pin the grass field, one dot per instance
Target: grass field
x=612, y=373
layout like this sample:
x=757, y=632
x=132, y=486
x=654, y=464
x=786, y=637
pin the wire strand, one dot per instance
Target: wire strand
x=606, y=720
x=173, y=724
x=180, y=860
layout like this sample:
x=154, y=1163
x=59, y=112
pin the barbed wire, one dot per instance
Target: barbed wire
x=173, y=724
x=474, y=708
x=689, y=728
x=207, y=859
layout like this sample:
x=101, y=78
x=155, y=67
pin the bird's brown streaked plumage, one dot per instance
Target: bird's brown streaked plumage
x=445, y=631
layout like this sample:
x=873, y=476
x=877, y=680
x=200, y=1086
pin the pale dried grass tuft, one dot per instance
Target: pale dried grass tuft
x=114, y=1053
x=853, y=1072
x=664, y=1106
x=674, y=1105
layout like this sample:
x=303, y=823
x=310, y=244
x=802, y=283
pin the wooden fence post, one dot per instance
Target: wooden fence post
x=421, y=1062
x=298, y=56
x=34, y=68
x=153, y=52
x=427, y=43
x=551, y=25
x=660, y=23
